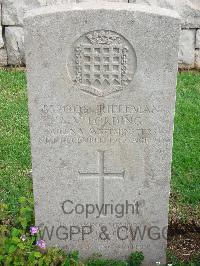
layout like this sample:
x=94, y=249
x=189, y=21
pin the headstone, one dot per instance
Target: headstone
x=101, y=85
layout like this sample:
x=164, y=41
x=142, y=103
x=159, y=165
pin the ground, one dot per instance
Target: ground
x=15, y=159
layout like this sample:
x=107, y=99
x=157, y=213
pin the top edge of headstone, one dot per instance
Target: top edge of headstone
x=101, y=6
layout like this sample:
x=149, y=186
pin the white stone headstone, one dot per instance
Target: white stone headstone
x=101, y=86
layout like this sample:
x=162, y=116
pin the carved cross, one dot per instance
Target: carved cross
x=101, y=175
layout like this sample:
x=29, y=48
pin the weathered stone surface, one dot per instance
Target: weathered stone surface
x=171, y=4
x=13, y=11
x=14, y=37
x=0, y=10
x=198, y=39
x=1, y=38
x=92, y=1
x=187, y=49
x=3, y=57
x=122, y=1
x=189, y=10
x=197, y=59
x=101, y=103
x=58, y=2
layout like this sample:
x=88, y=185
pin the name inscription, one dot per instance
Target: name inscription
x=101, y=124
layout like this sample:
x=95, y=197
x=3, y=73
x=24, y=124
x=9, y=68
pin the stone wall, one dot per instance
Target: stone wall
x=12, y=37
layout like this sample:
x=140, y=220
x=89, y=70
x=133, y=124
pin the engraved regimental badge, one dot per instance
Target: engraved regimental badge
x=104, y=62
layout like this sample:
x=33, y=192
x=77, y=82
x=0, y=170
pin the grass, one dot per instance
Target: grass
x=186, y=150
x=15, y=158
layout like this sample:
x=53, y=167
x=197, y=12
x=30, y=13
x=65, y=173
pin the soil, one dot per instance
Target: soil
x=184, y=241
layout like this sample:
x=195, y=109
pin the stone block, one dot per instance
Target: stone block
x=198, y=39
x=3, y=57
x=187, y=48
x=189, y=10
x=59, y=2
x=1, y=38
x=197, y=59
x=14, y=38
x=13, y=10
x=0, y=11
x=92, y=1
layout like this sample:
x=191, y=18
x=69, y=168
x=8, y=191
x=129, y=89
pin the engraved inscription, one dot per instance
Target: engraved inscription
x=104, y=63
x=101, y=176
x=93, y=124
